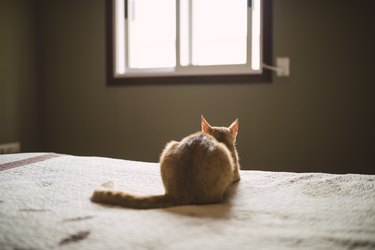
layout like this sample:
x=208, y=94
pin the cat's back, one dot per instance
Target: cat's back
x=202, y=150
x=198, y=141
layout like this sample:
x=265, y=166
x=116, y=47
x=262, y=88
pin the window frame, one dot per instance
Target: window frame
x=265, y=76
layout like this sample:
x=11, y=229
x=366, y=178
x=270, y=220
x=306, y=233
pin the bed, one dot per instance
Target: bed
x=45, y=204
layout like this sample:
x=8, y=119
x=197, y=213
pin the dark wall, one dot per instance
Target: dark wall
x=18, y=85
x=320, y=119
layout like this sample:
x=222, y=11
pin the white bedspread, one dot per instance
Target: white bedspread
x=44, y=204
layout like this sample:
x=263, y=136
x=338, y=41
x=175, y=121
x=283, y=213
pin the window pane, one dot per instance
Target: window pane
x=152, y=33
x=219, y=32
x=120, y=37
x=255, y=29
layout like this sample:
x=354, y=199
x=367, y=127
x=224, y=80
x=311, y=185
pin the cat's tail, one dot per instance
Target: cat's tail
x=124, y=199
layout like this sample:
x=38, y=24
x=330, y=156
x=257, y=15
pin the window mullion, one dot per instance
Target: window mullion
x=256, y=24
x=184, y=36
x=184, y=41
x=249, y=34
x=190, y=23
x=126, y=34
x=178, y=38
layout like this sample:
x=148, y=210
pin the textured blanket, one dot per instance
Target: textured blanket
x=44, y=204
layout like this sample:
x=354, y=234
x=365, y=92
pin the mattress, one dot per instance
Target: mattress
x=45, y=204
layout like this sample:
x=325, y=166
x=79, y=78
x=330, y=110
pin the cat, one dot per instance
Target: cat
x=196, y=170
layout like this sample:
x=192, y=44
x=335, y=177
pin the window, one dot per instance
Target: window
x=171, y=41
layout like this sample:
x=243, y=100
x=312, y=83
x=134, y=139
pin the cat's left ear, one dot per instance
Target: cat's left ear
x=233, y=128
x=206, y=127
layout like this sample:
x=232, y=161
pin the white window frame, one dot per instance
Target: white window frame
x=117, y=69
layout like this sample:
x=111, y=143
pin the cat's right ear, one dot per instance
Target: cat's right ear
x=233, y=128
x=206, y=127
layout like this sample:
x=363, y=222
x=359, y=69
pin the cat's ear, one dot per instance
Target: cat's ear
x=233, y=128
x=206, y=127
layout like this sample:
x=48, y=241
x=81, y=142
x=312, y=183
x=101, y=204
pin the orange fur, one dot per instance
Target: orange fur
x=196, y=170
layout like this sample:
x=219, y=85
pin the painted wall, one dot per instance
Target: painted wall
x=318, y=119
x=18, y=85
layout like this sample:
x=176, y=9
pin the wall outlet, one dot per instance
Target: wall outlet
x=10, y=148
x=283, y=66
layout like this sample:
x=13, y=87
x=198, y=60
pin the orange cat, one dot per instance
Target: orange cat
x=196, y=170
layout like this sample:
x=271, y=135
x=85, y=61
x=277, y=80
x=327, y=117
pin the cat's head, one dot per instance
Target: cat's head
x=226, y=135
